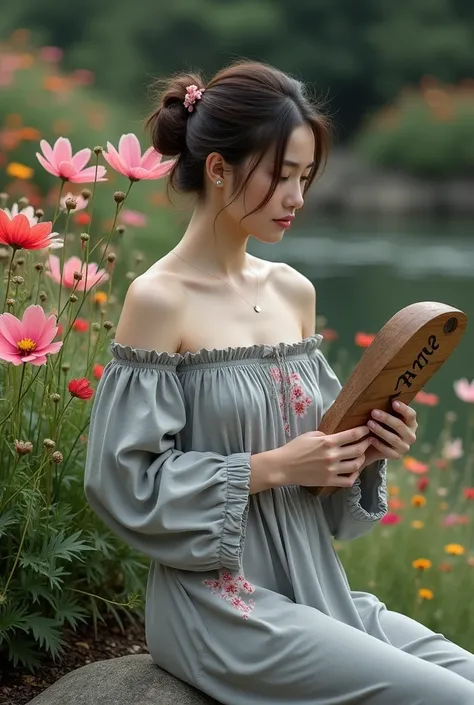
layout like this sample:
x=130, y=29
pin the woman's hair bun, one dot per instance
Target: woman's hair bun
x=167, y=124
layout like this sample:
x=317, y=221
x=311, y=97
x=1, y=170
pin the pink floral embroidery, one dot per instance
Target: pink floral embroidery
x=299, y=400
x=229, y=588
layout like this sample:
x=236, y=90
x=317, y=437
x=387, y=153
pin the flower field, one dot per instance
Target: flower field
x=70, y=216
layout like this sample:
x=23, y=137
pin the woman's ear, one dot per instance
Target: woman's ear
x=215, y=168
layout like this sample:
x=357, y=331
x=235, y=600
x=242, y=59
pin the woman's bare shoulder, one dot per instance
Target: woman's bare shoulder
x=152, y=311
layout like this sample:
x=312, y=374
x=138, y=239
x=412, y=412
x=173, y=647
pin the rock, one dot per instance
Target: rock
x=121, y=681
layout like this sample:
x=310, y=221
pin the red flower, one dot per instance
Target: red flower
x=81, y=325
x=391, y=518
x=422, y=484
x=329, y=334
x=97, y=371
x=80, y=388
x=19, y=233
x=426, y=398
x=469, y=492
x=82, y=218
x=363, y=340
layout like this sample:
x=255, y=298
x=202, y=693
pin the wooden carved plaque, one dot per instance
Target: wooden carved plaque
x=404, y=355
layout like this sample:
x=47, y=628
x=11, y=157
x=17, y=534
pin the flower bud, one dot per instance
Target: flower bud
x=119, y=197
x=39, y=213
x=23, y=447
x=108, y=325
x=55, y=397
x=130, y=275
x=65, y=366
x=98, y=150
x=23, y=203
x=39, y=266
x=85, y=237
x=48, y=443
x=95, y=326
x=111, y=257
x=3, y=199
x=71, y=203
x=73, y=298
x=120, y=229
x=85, y=193
x=43, y=296
x=18, y=280
x=77, y=276
x=57, y=457
x=138, y=258
x=20, y=261
x=10, y=302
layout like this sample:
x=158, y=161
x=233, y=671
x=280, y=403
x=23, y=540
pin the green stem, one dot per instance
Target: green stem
x=20, y=414
x=9, y=278
x=20, y=397
x=58, y=202
x=63, y=257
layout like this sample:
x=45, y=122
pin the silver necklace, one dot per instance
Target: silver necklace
x=255, y=306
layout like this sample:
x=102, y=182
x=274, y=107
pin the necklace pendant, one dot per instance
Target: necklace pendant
x=257, y=309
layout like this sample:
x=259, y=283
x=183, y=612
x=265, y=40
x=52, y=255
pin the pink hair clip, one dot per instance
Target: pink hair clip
x=193, y=93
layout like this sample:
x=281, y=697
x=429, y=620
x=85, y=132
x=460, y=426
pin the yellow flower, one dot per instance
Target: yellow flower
x=422, y=564
x=19, y=171
x=417, y=524
x=418, y=500
x=443, y=506
x=425, y=594
x=393, y=490
x=100, y=297
x=454, y=549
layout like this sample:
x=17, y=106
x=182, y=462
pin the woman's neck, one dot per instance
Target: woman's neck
x=217, y=246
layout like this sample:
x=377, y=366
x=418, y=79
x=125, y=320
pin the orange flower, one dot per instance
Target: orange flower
x=100, y=298
x=418, y=500
x=30, y=134
x=468, y=492
x=426, y=398
x=82, y=218
x=414, y=466
x=417, y=524
x=425, y=594
x=395, y=503
x=19, y=171
x=363, y=340
x=393, y=490
x=422, y=564
x=454, y=549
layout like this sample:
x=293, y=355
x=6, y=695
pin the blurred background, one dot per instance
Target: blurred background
x=392, y=219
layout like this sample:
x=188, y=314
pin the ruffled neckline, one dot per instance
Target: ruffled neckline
x=211, y=356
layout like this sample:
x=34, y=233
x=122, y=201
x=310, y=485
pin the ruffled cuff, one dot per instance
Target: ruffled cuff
x=367, y=498
x=235, y=511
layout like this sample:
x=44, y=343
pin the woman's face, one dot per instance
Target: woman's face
x=271, y=222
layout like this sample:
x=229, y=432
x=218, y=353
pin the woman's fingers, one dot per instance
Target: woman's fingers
x=355, y=450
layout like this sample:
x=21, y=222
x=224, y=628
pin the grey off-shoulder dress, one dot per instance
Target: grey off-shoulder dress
x=247, y=599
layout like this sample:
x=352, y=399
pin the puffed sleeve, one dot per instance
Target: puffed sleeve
x=351, y=512
x=187, y=510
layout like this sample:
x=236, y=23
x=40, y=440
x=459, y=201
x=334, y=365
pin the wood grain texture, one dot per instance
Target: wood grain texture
x=404, y=355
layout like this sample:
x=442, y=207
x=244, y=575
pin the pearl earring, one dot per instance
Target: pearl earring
x=218, y=182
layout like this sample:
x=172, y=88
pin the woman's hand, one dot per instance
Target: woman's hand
x=387, y=443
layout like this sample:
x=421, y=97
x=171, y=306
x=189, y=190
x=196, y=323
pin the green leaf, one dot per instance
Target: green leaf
x=47, y=634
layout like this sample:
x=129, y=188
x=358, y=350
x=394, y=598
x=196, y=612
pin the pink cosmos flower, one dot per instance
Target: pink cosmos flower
x=133, y=218
x=81, y=202
x=128, y=160
x=464, y=390
x=452, y=450
x=18, y=232
x=75, y=265
x=30, y=339
x=60, y=161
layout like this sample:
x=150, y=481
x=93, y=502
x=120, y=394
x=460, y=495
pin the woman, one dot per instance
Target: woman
x=203, y=433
